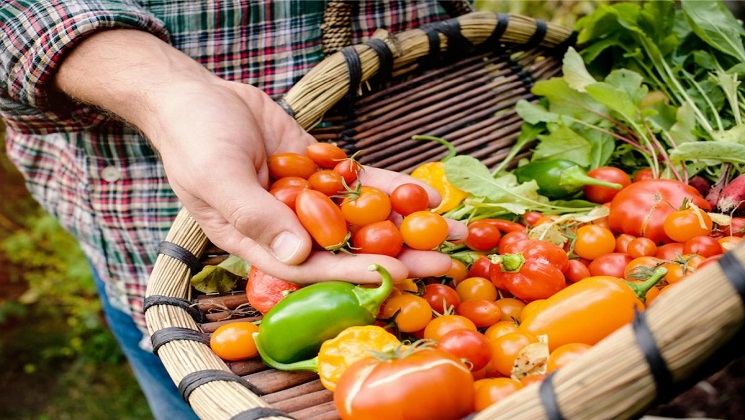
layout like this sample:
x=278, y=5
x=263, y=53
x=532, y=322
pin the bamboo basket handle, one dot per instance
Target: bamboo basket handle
x=691, y=323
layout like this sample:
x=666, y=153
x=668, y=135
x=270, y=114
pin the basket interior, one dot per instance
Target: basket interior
x=470, y=101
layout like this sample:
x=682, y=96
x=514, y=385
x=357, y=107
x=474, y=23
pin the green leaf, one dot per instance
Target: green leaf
x=575, y=72
x=716, y=151
x=714, y=24
x=735, y=134
x=683, y=131
x=534, y=113
x=566, y=101
x=563, y=143
x=220, y=278
x=615, y=99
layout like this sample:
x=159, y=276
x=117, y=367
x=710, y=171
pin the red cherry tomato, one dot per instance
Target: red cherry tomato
x=441, y=298
x=322, y=218
x=613, y=264
x=468, y=345
x=378, y=238
x=482, y=235
x=408, y=198
x=290, y=164
x=327, y=181
x=599, y=194
x=325, y=155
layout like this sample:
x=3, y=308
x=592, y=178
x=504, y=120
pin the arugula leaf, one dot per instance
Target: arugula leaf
x=713, y=22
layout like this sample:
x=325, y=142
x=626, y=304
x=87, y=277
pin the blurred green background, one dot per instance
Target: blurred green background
x=57, y=358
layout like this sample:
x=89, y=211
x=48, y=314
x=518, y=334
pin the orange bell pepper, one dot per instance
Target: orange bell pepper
x=433, y=173
x=589, y=310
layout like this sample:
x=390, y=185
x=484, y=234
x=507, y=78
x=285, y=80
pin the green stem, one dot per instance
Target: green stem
x=372, y=298
x=451, y=149
x=511, y=263
x=641, y=289
x=310, y=364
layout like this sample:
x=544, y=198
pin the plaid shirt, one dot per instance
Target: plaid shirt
x=100, y=178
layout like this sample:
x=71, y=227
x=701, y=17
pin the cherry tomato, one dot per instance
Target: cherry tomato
x=640, y=268
x=682, y=225
x=735, y=228
x=506, y=348
x=639, y=247
x=349, y=169
x=592, y=241
x=612, y=264
x=576, y=270
x=378, y=238
x=408, y=198
x=290, y=181
x=565, y=354
x=703, y=245
x=709, y=260
x=643, y=174
x=368, y=205
x=506, y=226
x=287, y=194
x=511, y=308
x=424, y=230
x=500, y=328
x=480, y=267
x=411, y=312
x=443, y=324
x=325, y=155
x=532, y=217
x=669, y=251
x=322, y=218
x=476, y=288
x=458, y=270
x=483, y=312
x=290, y=164
x=510, y=238
x=729, y=242
x=327, y=182
x=491, y=390
x=441, y=298
x=234, y=341
x=430, y=383
x=599, y=194
x=640, y=209
x=622, y=242
x=530, y=307
x=468, y=345
x=482, y=235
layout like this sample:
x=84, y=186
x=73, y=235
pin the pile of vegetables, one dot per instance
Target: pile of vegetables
x=635, y=181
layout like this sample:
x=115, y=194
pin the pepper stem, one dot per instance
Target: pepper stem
x=575, y=177
x=372, y=298
x=510, y=263
x=451, y=149
x=309, y=364
x=641, y=289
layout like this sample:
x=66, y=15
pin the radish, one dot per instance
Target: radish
x=732, y=198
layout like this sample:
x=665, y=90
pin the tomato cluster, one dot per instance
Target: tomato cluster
x=340, y=213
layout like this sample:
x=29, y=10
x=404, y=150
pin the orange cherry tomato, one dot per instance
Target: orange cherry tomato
x=290, y=164
x=234, y=341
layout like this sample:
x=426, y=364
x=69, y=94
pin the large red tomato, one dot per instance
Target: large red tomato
x=426, y=383
x=641, y=208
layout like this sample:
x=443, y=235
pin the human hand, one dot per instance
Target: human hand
x=214, y=138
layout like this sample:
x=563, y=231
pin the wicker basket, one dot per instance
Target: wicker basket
x=457, y=79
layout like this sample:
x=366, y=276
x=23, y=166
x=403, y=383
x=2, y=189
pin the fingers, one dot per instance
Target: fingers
x=389, y=180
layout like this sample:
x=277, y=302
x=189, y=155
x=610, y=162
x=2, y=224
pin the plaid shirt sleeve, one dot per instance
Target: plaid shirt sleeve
x=35, y=36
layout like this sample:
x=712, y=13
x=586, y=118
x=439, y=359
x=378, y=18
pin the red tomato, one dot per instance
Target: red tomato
x=482, y=236
x=322, y=218
x=325, y=155
x=443, y=324
x=639, y=247
x=669, y=251
x=409, y=311
x=613, y=264
x=424, y=230
x=576, y=270
x=641, y=208
x=532, y=217
x=441, y=298
x=287, y=194
x=599, y=194
x=408, y=198
x=349, y=169
x=234, y=341
x=483, y=312
x=327, y=182
x=592, y=241
x=467, y=345
x=735, y=228
x=506, y=226
x=643, y=174
x=622, y=242
x=703, y=245
x=480, y=267
x=290, y=164
x=378, y=238
x=366, y=206
x=263, y=291
x=430, y=383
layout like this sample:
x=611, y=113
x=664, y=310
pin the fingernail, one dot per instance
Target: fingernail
x=285, y=246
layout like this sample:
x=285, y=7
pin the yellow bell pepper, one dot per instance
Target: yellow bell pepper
x=349, y=346
x=433, y=173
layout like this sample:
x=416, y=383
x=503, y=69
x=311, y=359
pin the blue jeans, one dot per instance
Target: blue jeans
x=161, y=393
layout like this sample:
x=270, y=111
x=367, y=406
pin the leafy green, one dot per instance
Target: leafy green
x=220, y=278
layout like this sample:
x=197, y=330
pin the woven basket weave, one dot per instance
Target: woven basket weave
x=458, y=79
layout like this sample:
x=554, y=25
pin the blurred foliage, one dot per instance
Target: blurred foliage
x=560, y=12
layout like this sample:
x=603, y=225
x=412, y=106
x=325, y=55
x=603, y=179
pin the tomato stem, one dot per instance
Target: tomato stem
x=451, y=149
x=641, y=289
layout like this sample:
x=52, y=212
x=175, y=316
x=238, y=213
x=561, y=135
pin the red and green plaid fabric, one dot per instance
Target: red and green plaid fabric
x=100, y=178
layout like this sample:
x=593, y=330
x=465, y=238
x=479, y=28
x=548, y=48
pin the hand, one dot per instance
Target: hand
x=214, y=138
